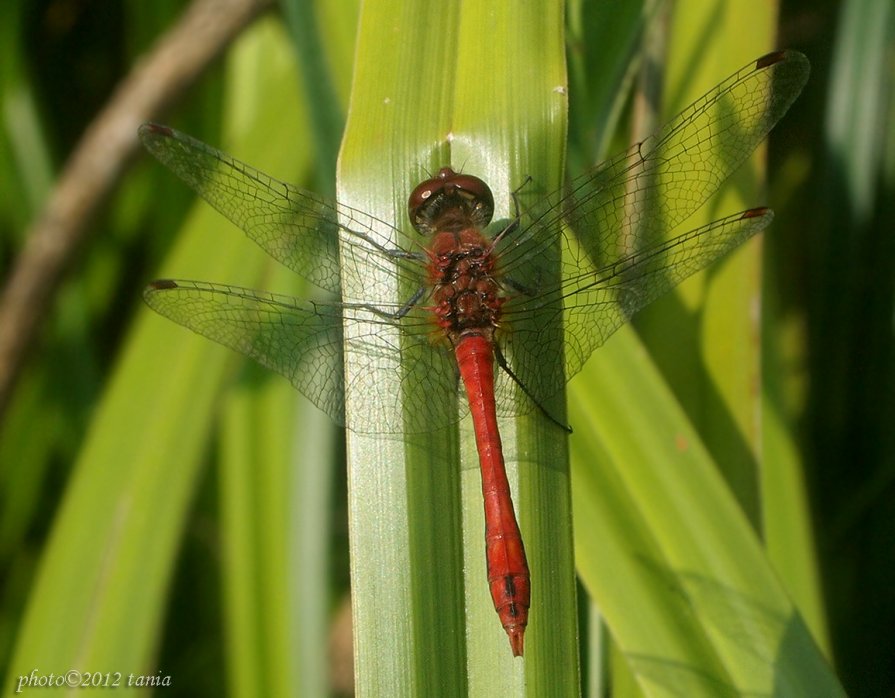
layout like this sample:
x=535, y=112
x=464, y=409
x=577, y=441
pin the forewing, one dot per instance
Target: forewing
x=631, y=200
x=296, y=227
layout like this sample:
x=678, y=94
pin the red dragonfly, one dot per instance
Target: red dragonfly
x=484, y=292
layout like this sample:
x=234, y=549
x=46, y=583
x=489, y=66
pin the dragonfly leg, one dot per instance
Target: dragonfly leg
x=411, y=303
x=502, y=362
x=529, y=291
x=404, y=254
x=515, y=223
x=515, y=196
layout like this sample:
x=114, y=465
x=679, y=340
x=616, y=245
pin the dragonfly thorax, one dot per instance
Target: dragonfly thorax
x=466, y=294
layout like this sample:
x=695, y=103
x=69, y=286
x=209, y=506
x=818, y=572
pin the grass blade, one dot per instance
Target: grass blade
x=405, y=497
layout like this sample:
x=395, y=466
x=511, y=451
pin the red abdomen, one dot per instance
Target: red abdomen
x=508, y=576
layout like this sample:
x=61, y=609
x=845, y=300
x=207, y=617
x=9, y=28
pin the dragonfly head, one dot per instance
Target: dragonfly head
x=450, y=202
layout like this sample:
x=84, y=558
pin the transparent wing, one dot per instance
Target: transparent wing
x=297, y=228
x=593, y=252
x=303, y=341
x=632, y=199
x=599, y=301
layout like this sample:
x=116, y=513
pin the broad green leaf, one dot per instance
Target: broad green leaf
x=662, y=542
x=422, y=99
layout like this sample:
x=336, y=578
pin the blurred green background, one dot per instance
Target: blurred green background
x=230, y=564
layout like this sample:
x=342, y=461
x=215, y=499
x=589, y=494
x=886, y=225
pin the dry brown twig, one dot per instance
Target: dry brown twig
x=97, y=163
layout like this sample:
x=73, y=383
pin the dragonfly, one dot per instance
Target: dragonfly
x=478, y=296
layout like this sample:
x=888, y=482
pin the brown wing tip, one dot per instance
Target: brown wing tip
x=516, y=635
x=756, y=212
x=152, y=129
x=770, y=59
x=161, y=285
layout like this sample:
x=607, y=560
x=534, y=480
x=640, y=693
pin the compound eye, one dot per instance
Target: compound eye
x=422, y=194
x=477, y=194
x=436, y=194
x=472, y=187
